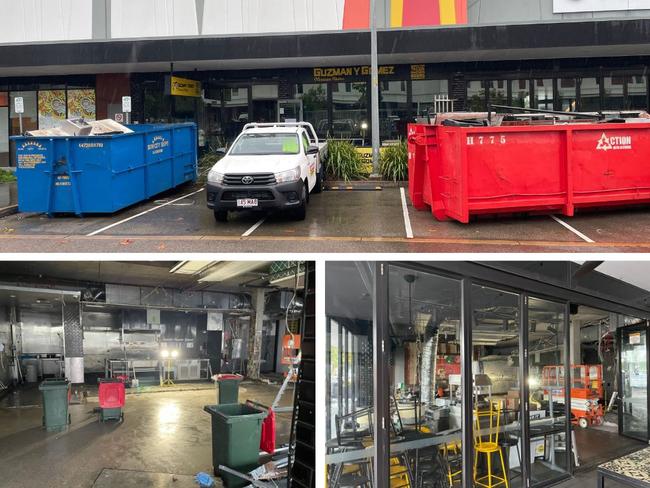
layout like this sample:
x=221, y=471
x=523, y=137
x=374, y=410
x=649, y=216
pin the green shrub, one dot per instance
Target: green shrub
x=393, y=164
x=343, y=161
x=7, y=176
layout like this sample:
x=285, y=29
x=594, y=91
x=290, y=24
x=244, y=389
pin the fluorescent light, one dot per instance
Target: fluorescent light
x=164, y=353
x=230, y=269
x=191, y=267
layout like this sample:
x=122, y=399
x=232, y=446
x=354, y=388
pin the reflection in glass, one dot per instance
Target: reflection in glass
x=547, y=383
x=637, y=93
x=314, y=106
x=634, y=377
x=566, y=92
x=520, y=93
x=590, y=95
x=393, y=110
x=349, y=389
x=496, y=401
x=544, y=94
x=425, y=389
x=424, y=93
x=350, y=112
x=476, y=101
x=614, y=97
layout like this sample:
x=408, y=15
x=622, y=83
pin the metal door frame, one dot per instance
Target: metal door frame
x=619, y=338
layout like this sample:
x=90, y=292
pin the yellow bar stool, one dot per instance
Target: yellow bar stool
x=488, y=445
x=453, y=474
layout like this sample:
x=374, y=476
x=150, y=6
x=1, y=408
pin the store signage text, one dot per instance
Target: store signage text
x=340, y=74
x=183, y=87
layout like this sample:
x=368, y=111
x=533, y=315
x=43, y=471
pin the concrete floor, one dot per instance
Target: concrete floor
x=163, y=434
x=337, y=221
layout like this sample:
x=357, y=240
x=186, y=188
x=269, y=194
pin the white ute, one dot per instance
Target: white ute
x=269, y=166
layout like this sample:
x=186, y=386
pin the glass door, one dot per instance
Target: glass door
x=290, y=111
x=633, y=400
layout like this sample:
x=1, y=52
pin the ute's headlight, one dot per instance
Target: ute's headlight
x=215, y=177
x=288, y=176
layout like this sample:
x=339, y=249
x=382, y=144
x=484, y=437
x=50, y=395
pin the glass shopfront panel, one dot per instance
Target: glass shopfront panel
x=637, y=93
x=590, y=95
x=4, y=129
x=520, y=90
x=547, y=386
x=614, y=92
x=567, y=94
x=350, y=373
x=350, y=112
x=496, y=401
x=425, y=388
x=476, y=101
x=544, y=94
x=498, y=92
x=633, y=416
x=393, y=110
x=425, y=93
x=313, y=97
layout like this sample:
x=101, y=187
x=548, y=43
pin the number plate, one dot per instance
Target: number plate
x=247, y=202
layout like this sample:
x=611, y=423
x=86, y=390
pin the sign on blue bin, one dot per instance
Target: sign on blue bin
x=103, y=174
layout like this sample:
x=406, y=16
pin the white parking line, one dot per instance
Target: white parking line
x=142, y=213
x=254, y=228
x=575, y=231
x=407, y=219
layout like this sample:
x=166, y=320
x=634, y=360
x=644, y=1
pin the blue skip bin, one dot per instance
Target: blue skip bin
x=103, y=174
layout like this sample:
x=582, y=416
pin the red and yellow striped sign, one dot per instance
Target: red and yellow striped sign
x=407, y=13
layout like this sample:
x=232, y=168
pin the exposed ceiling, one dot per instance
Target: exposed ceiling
x=199, y=275
x=636, y=273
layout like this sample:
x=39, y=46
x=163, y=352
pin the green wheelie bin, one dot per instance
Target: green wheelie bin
x=228, y=388
x=56, y=397
x=236, y=433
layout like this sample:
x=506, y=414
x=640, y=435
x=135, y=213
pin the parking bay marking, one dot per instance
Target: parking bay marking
x=407, y=219
x=572, y=229
x=254, y=228
x=103, y=229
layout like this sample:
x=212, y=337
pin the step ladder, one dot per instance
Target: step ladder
x=302, y=454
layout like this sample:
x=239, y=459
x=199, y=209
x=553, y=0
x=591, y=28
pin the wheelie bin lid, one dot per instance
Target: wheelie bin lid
x=54, y=385
x=226, y=377
x=231, y=413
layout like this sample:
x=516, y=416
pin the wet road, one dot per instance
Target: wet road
x=337, y=221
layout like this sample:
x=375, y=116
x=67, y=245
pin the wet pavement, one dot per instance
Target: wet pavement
x=162, y=433
x=337, y=221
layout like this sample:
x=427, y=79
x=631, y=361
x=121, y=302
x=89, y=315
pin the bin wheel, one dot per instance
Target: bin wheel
x=300, y=213
x=69, y=419
x=122, y=417
x=221, y=215
x=583, y=422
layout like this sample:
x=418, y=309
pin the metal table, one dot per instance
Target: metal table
x=633, y=470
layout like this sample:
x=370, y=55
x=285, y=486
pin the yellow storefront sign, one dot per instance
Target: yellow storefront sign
x=366, y=158
x=183, y=87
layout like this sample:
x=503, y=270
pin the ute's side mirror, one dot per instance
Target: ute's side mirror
x=313, y=150
x=221, y=150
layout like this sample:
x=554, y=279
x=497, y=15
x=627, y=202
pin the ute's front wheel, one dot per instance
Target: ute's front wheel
x=221, y=215
x=300, y=213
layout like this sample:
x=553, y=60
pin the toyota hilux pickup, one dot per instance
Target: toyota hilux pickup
x=269, y=166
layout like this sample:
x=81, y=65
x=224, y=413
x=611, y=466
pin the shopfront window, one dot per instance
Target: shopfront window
x=520, y=90
x=547, y=385
x=590, y=94
x=235, y=111
x=29, y=117
x=313, y=97
x=4, y=129
x=349, y=364
x=350, y=112
x=566, y=94
x=425, y=92
x=544, y=94
x=614, y=92
x=498, y=92
x=425, y=379
x=496, y=403
x=393, y=110
x=81, y=103
x=476, y=101
x=637, y=93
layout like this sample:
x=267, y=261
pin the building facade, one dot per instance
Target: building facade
x=308, y=60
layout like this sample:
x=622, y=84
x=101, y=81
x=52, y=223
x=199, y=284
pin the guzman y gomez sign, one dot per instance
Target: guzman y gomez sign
x=567, y=6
